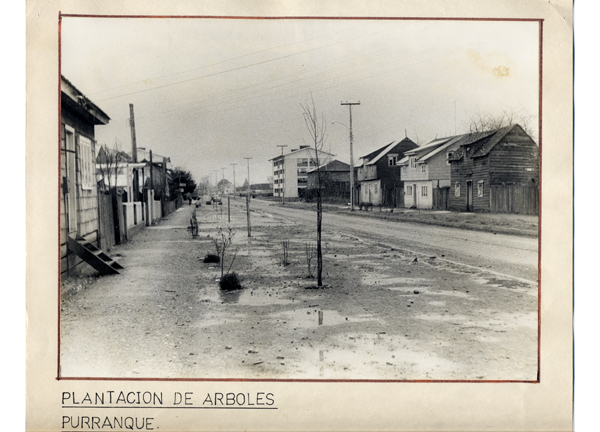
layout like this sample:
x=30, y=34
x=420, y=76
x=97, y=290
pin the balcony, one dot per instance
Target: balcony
x=368, y=172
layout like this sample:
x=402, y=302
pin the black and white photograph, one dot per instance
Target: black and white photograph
x=299, y=199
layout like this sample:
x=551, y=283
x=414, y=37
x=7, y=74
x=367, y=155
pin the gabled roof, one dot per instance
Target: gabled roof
x=302, y=148
x=334, y=165
x=429, y=146
x=479, y=144
x=452, y=142
x=378, y=151
x=77, y=100
x=378, y=154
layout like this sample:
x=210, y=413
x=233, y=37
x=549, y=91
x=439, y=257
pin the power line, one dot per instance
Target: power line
x=225, y=71
x=222, y=61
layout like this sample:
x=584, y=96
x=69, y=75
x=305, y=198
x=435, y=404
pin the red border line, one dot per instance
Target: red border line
x=303, y=17
x=59, y=180
x=539, y=20
x=382, y=381
x=539, y=359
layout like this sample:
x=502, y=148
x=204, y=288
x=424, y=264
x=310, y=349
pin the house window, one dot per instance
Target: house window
x=457, y=189
x=423, y=168
x=409, y=190
x=424, y=191
x=87, y=166
x=480, y=188
x=448, y=156
x=413, y=163
x=392, y=159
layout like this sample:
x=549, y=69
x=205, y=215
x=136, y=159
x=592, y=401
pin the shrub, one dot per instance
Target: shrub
x=211, y=258
x=230, y=282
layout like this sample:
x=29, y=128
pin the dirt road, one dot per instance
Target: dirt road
x=506, y=254
x=395, y=307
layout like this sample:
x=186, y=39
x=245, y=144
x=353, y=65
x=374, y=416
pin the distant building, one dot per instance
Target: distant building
x=379, y=176
x=425, y=172
x=290, y=171
x=335, y=180
x=496, y=171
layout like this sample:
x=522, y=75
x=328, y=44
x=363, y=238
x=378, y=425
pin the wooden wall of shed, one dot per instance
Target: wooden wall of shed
x=515, y=160
x=473, y=170
x=87, y=199
x=517, y=199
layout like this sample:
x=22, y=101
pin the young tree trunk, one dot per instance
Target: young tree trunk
x=318, y=134
x=319, y=253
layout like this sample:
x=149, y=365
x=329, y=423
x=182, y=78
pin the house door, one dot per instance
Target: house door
x=415, y=199
x=469, y=196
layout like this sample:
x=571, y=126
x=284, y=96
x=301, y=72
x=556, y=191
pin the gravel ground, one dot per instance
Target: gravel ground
x=386, y=315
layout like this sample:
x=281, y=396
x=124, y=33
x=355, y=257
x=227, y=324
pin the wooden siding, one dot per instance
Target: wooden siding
x=415, y=174
x=390, y=189
x=514, y=161
x=514, y=199
x=86, y=199
x=439, y=169
x=470, y=170
x=440, y=198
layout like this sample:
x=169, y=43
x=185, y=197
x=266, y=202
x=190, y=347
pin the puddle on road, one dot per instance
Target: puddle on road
x=244, y=297
x=371, y=356
x=309, y=318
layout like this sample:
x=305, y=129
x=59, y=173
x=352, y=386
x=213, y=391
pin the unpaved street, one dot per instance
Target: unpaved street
x=506, y=254
x=402, y=301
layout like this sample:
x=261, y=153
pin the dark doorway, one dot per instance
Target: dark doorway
x=469, y=196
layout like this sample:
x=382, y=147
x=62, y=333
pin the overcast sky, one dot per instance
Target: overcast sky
x=209, y=92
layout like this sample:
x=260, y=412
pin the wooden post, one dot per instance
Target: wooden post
x=228, y=211
x=248, y=214
x=248, y=196
x=320, y=317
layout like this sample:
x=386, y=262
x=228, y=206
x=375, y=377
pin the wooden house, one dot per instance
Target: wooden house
x=496, y=171
x=335, y=180
x=425, y=172
x=79, y=201
x=379, y=176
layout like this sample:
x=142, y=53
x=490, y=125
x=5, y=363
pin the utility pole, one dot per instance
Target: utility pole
x=454, y=117
x=351, y=155
x=164, y=192
x=223, y=177
x=233, y=164
x=151, y=172
x=283, y=178
x=151, y=191
x=136, y=179
x=248, y=196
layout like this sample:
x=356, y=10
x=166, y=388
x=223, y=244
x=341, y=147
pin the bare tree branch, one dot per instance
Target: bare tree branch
x=316, y=126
